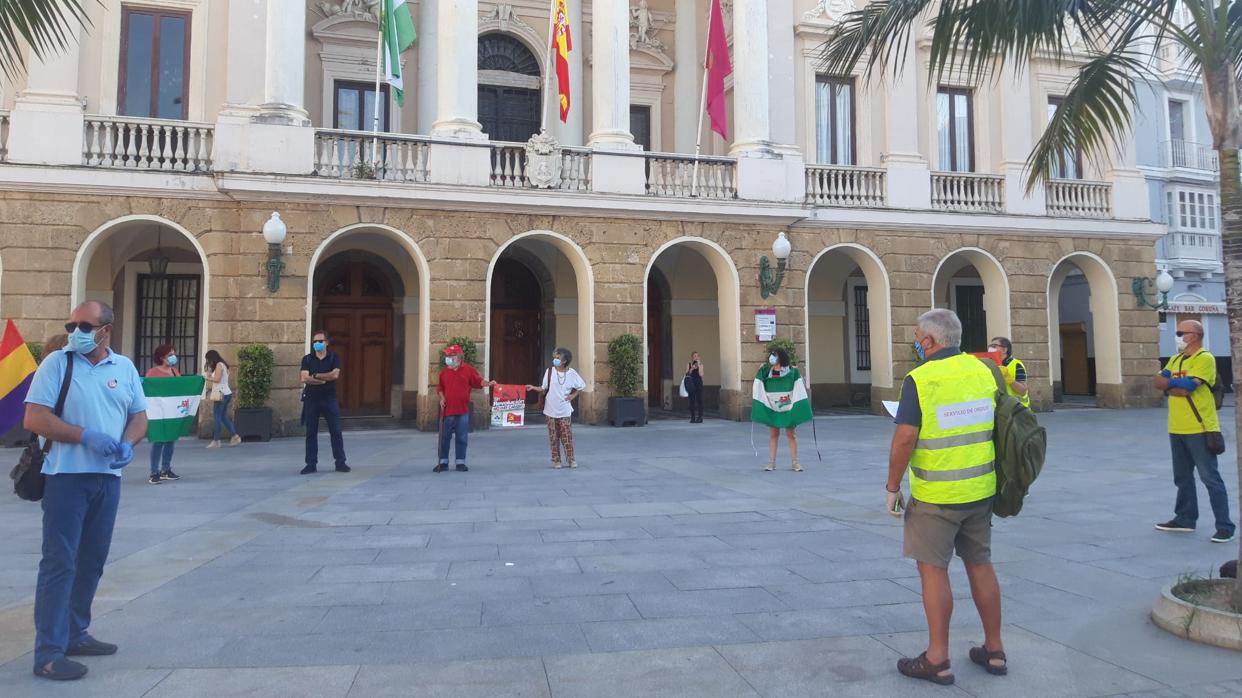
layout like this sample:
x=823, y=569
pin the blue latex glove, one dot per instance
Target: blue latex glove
x=1166, y=373
x=124, y=455
x=1188, y=384
x=101, y=444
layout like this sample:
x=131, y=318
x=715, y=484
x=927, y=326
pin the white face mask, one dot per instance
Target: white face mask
x=1181, y=344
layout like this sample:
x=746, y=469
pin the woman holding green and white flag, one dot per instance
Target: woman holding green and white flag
x=172, y=402
x=779, y=400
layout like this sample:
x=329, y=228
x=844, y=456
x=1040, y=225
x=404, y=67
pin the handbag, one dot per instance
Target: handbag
x=215, y=391
x=27, y=475
x=1214, y=440
x=681, y=388
x=547, y=385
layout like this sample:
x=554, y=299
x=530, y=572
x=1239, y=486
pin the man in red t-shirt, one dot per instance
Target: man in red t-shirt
x=456, y=381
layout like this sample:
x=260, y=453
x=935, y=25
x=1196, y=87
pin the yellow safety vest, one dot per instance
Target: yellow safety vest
x=954, y=461
x=1011, y=374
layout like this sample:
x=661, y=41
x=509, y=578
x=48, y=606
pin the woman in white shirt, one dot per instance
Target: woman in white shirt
x=560, y=385
x=220, y=395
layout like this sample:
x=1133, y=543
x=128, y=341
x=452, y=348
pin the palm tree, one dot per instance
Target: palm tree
x=43, y=25
x=980, y=39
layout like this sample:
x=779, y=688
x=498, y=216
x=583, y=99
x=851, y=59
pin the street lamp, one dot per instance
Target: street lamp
x=1143, y=284
x=769, y=282
x=158, y=262
x=274, y=231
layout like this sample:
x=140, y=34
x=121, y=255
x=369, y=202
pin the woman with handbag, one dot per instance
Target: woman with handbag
x=692, y=384
x=220, y=395
x=559, y=386
x=165, y=358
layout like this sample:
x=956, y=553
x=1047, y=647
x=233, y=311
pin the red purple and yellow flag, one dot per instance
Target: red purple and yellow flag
x=17, y=368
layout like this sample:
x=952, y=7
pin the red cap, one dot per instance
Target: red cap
x=453, y=350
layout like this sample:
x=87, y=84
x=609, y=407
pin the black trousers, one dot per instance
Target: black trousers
x=696, y=401
x=330, y=410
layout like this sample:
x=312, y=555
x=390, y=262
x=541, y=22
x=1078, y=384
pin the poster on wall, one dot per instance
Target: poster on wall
x=765, y=324
x=508, y=406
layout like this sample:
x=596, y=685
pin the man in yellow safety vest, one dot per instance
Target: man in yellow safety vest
x=944, y=436
x=1013, y=370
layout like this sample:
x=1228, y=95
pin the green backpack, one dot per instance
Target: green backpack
x=1020, y=448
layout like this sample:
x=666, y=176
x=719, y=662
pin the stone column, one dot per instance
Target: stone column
x=457, y=71
x=1130, y=190
x=751, y=61
x=46, y=126
x=687, y=81
x=284, y=76
x=428, y=70
x=907, y=172
x=573, y=131
x=247, y=42
x=610, y=76
x=1018, y=109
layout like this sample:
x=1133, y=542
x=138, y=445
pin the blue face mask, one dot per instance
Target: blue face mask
x=920, y=351
x=772, y=359
x=82, y=342
x=319, y=346
x=171, y=359
x=556, y=363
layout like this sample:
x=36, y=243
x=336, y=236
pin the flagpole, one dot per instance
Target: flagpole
x=375, y=112
x=698, y=136
x=547, y=66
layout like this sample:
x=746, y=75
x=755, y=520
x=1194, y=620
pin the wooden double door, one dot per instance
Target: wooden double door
x=356, y=310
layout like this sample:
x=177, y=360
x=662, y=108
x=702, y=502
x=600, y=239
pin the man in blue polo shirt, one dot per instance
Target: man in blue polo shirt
x=104, y=417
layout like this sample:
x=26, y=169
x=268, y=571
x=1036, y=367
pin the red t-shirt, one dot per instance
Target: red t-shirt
x=455, y=385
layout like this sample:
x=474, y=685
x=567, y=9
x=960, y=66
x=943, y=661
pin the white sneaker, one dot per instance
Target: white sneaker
x=573, y=464
x=235, y=440
x=214, y=444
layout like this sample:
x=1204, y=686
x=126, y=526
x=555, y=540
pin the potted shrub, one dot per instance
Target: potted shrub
x=470, y=354
x=625, y=361
x=254, y=386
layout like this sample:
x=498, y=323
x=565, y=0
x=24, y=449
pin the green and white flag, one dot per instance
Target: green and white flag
x=780, y=401
x=398, y=33
x=172, y=404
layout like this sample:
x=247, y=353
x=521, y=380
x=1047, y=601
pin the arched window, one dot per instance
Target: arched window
x=509, y=88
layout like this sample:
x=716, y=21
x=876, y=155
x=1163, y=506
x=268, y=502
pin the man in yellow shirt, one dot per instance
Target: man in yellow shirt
x=1187, y=381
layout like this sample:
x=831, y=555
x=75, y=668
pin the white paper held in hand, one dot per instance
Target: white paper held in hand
x=890, y=406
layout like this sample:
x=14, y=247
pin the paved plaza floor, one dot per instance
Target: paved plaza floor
x=668, y=564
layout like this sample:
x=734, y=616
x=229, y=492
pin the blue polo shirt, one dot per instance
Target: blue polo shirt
x=101, y=398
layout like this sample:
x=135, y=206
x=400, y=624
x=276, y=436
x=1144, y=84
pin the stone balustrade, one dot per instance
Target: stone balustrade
x=1074, y=198
x=834, y=185
x=146, y=144
x=363, y=155
x=675, y=176
x=967, y=192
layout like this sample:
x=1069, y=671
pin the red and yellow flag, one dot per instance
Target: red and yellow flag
x=562, y=45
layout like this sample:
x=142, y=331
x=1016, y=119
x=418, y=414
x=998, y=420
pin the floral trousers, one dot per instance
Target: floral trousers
x=560, y=431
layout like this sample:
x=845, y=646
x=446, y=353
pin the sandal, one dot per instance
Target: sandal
x=921, y=668
x=984, y=658
x=797, y=467
x=769, y=467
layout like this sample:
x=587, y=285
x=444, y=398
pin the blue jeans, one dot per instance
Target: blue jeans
x=161, y=454
x=454, y=429
x=220, y=412
x=1190, y=453
x=79, y=512
x=312, y=410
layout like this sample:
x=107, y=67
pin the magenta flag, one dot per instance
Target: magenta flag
x=718, y=68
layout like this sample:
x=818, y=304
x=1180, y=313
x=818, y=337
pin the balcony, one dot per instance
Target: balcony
x=833, y=185
x=675, y=176
x=362, y=155
x=509, y=168
x=967, y=192
x=1074, y=198
x=1188, y=155
x=126, y=142
x=1195, y=247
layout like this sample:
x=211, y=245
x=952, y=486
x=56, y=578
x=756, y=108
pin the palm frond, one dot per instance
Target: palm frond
x=878, y=34
x=1097, y=111
x=45, y=25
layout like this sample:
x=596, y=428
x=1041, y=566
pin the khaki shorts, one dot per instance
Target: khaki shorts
x=933, y=532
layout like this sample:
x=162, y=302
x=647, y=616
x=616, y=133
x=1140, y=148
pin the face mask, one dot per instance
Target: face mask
x=1181, y=344
x=556, y=363
x=450, y=361
x=171, y=359
x=772, y=359
x=920, y=351
x=82, y=342
x=319, y=346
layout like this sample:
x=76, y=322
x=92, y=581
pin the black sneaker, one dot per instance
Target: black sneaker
x=154, y=479
x=169, y=475
x=309, y=469
x=441, y=467
x=90, y=647
x=62, y=670
x=1174, y=527
x=1222, y=536
x=461, y=468
x=343, y=468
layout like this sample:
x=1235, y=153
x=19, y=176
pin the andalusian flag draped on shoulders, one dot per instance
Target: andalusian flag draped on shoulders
x=398, y=33
x=780, y=401
x=17, y=369
x=172, y=403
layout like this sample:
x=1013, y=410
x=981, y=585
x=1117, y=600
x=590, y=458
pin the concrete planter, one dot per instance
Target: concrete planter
x=1198, y=623
x=253, y=423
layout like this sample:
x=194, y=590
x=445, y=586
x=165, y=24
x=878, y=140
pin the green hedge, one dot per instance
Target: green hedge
x=254, y=375
x=625, y=359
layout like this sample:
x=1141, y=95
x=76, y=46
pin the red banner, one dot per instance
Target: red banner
x=508, y=406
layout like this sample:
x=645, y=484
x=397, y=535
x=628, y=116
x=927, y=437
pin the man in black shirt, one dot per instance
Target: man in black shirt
x=320, y=371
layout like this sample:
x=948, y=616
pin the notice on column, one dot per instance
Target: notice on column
x=765, y=324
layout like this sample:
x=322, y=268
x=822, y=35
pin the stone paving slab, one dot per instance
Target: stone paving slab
x=667, y=565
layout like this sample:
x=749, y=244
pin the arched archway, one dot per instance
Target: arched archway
x=564, y=310
x=848, y=326
x=510, y=90
x=1084, y=330
x=114, y=265
x=704, y=316
x=973, y=284
x=400, y=295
